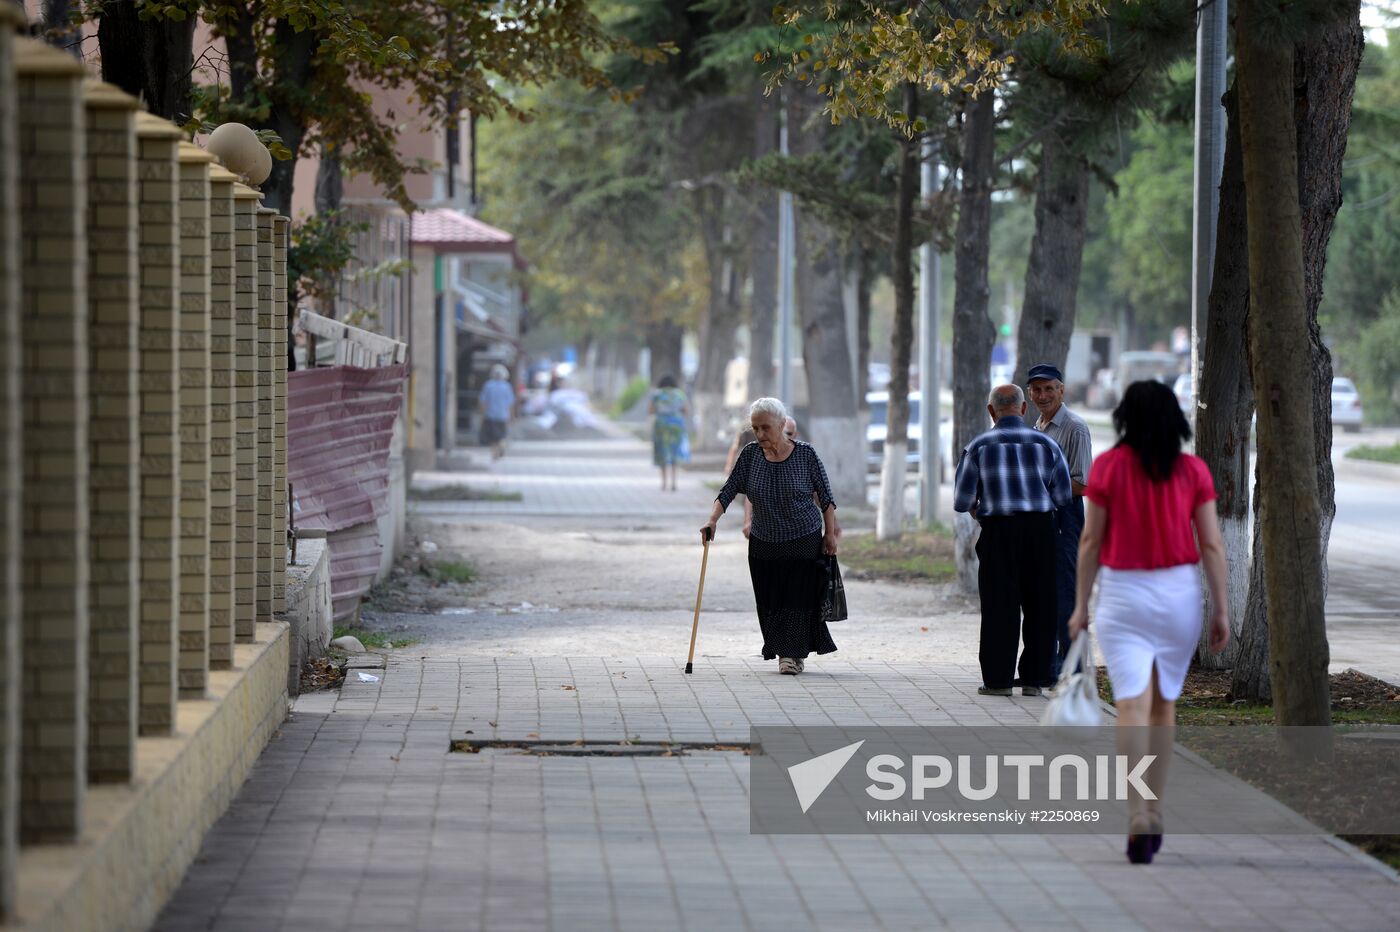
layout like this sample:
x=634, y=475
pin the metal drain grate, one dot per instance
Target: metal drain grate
x=596, y=749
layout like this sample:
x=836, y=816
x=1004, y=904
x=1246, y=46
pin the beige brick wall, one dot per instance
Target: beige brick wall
x=281, y=231
x=221, y=262
x=9, y=469
x=194, y=420
x=160, y=448
x=114, y=440
x=267, y=343
x=53, y=379
x=245, y=425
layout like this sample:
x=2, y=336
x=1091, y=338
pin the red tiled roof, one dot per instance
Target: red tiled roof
x=448, y=230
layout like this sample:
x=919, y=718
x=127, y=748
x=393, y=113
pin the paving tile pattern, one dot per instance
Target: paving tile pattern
x=357, y=817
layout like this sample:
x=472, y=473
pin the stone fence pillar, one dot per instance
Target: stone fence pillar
x=245, y=424
x=160, y=417
x=54, y=376
x=194, y=420
x=281, y=234
x=114, y=439
x=221, y=401
x=267, y=342
x=10, y=421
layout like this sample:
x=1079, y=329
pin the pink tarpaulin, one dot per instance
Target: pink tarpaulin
x=340, y=420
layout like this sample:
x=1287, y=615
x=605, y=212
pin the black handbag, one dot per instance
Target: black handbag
x=834, y=597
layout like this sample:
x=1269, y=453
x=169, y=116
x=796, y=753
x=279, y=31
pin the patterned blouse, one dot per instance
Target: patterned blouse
x=781, y=493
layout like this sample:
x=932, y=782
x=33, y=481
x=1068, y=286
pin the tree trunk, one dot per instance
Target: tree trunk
x=1057, y=253
x=663, y=340
x=718, y=327
x=832, y=423
x=1280, y=351
x=152, y=59
x=1226, y=396
x=863, y=293
x=889, y=520
x=1324, y=80
x=973, y=333
x=763, y=250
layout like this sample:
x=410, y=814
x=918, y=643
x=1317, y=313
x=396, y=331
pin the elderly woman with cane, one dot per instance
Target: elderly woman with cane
x=794, y=523
x=1150, y=520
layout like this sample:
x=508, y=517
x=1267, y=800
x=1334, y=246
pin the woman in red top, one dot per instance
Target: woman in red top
x=1144, y=498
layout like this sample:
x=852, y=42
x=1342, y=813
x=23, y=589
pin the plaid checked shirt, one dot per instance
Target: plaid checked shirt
x=1009, y=470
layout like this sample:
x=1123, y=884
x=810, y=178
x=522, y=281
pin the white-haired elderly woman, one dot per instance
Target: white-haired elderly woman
x=794, y=523
x=497, y=406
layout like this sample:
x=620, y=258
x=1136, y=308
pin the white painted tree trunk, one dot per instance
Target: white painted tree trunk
x=708, y=419
x=839, y=442
x=889, y=520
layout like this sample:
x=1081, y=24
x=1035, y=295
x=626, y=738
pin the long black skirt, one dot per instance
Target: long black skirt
x=789, y=581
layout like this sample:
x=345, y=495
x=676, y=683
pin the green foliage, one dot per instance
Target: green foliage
x=369, y=638
x=634, y=392
x=1377, y=363
x=858, y=54
x=1150, y=227
x=449, y=571
x=1360, y=304
x=1390, y=454
x=322, y=247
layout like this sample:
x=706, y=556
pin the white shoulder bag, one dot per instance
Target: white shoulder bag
x=1075, y=700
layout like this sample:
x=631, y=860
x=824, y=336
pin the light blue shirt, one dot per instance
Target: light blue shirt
x=497, y=397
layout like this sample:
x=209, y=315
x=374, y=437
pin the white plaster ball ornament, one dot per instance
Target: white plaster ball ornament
x=242, y=153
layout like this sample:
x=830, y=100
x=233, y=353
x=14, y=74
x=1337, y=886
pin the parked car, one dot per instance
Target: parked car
x=1346, y=405
x=879, y=403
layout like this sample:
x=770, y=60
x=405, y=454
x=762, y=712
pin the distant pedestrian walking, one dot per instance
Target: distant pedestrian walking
x=1046, y=388
x=1011, y=479
x=497, y=407
x=1145, y=499
x=794, y=524
x=669, y=437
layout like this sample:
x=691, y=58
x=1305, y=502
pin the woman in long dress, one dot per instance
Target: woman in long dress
x=1144, y=500
x=669, y=438
x=794, y=524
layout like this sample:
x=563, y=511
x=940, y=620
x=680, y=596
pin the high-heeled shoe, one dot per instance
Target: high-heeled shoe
x=1140, y=848
x=1155, y=832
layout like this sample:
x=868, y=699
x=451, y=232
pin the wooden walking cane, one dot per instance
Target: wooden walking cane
x=706, y=535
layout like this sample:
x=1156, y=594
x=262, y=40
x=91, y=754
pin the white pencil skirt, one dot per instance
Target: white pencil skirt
x=1146, y=617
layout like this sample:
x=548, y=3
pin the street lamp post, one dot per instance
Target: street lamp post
x=1209, y=162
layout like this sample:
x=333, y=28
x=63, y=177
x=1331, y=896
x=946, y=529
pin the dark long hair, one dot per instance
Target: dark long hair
x=1149, y=421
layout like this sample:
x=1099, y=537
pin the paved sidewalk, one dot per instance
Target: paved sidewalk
x=358, y=817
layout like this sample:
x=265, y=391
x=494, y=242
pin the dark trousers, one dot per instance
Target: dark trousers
x=1016, y=577
x=1069, y=524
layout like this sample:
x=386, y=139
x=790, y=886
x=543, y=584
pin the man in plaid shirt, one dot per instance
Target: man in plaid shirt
x=1011, y=479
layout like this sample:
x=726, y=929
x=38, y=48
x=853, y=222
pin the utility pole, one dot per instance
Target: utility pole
x=786, y=254
x=930, y=420
x=1209, y=162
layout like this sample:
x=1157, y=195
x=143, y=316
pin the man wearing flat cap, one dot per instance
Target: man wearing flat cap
x=1046, y=389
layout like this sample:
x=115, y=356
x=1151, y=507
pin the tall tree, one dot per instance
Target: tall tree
x=1074, y=104
x=973, y=333
x=149, y=56
x=889, y=521
x=1323, y=79
x=1290, y=517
